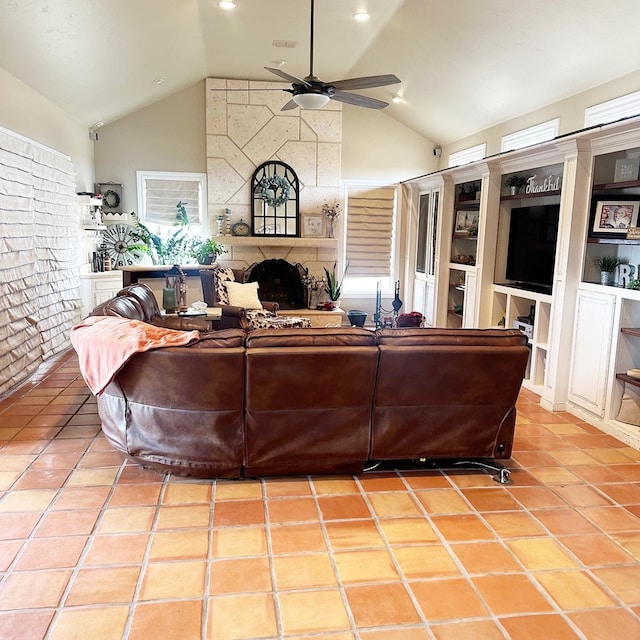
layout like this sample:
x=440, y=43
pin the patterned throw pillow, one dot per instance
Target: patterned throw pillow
x=260, y=318
x=223, y=275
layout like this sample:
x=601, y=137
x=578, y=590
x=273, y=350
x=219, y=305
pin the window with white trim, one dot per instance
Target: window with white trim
x=468, y=155
x=369, y=238
x=612, y=110
x=160, y=193
x=531, y=135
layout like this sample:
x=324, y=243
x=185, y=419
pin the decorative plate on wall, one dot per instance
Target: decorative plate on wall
x=120, y=242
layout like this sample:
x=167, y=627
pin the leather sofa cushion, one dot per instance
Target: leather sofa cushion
x=220, y=339
x=467, y=337
x=311, y=337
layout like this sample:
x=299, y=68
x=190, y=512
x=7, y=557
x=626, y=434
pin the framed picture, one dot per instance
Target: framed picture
x=466, y=224
x=626, y=170
x=312, y=225
x=615, y=216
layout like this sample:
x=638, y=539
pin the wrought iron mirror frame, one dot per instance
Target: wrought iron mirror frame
x=275, y=210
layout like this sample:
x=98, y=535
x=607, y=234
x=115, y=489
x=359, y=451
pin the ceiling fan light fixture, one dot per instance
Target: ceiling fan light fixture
x=396, y=98
x=311, y=100
x=227, y=4
x=361, y=16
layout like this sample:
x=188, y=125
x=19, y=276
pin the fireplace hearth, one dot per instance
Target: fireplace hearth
x=279, y=281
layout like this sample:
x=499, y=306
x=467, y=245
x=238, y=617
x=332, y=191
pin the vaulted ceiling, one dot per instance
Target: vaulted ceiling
x=465, y=65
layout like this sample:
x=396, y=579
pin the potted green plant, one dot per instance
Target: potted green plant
x=634, y=283
x=333, y=286
x=515, y=182
x=206, y=251
x=607, y=266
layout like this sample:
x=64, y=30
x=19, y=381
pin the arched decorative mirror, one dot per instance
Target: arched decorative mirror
x=275, y=200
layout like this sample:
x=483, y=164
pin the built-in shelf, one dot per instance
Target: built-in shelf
x=623, y=377
x=268, y=241
x=630, y=331
x=526, y=196
x=616, y=185
x=612, y=241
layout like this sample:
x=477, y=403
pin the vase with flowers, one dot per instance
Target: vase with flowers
x=331, y=213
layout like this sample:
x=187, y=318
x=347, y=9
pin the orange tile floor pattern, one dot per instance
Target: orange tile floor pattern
x=94, y=547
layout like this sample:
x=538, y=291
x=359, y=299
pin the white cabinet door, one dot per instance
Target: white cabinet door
x=469, y=319
x=591, y=349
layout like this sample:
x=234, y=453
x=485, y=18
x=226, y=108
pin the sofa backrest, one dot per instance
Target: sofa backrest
x=308, y=399
x=449, y=393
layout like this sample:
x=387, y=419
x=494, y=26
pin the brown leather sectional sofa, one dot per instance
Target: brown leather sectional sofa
x=312, y=401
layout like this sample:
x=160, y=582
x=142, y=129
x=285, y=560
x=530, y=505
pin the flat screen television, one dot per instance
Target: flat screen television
x=533, y=233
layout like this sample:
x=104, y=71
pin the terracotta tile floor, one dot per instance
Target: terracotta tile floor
x=94, y=547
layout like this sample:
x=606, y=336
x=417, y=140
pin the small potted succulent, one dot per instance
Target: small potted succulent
x=607, y=266
x=333, y=287
x=515, y=182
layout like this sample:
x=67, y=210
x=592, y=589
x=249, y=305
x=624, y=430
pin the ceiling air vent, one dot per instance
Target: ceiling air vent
x=285, y=44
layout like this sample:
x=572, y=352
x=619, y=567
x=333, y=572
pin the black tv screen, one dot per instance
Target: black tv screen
x=533, y=232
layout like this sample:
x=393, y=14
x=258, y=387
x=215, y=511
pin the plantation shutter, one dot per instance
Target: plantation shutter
x=370, y=214
x=162, y=197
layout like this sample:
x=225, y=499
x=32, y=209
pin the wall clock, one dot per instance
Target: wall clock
x=240, y=229
x=120, y=241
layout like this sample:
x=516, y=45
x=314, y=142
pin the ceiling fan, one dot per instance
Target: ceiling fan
x=312, y=93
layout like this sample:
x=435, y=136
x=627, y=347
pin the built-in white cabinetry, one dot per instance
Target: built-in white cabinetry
x=583, y=336
x=590, y=356
x=422, y=264
x=98, y=287
x=532, y=312
x=606, y=346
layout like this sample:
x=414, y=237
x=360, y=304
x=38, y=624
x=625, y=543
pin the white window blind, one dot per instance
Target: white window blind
x=369, y=232
x=468, y=155
x=159, y=194
x=531, y=135
x=612, y=110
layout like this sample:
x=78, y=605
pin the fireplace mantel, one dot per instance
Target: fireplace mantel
x=266, y=241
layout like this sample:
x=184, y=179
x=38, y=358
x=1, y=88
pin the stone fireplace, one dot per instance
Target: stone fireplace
x=279, y=281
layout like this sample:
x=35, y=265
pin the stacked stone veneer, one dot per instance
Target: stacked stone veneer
x=246, y=128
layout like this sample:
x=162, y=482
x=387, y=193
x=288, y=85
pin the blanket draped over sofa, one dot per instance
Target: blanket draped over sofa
x=239, y=404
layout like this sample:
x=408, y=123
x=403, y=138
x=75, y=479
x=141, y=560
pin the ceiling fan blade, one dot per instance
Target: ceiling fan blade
x=359, y=101
x=287, y=76
x=366, y=82
x=292, y=104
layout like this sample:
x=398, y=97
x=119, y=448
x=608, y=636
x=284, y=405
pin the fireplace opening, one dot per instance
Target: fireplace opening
x=279, y=281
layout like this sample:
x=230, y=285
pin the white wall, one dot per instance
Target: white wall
x=376, y=147
x=570, y=111
x=26, y=112
x=170, y=135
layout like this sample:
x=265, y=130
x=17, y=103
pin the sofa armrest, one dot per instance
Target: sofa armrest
x=233, y=317
x=270, y=306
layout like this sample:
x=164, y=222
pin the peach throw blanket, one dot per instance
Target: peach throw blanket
x=105, y=344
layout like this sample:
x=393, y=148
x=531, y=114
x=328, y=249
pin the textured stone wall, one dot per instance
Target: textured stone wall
x=246, y=128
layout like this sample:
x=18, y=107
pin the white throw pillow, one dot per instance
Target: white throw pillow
x=243, y=295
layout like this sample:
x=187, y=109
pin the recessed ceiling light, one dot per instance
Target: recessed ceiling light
x=396, y=98
x=227, y=4
x=361, y=16
x=279, y=62
x=159, y=80
x=97, y=125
